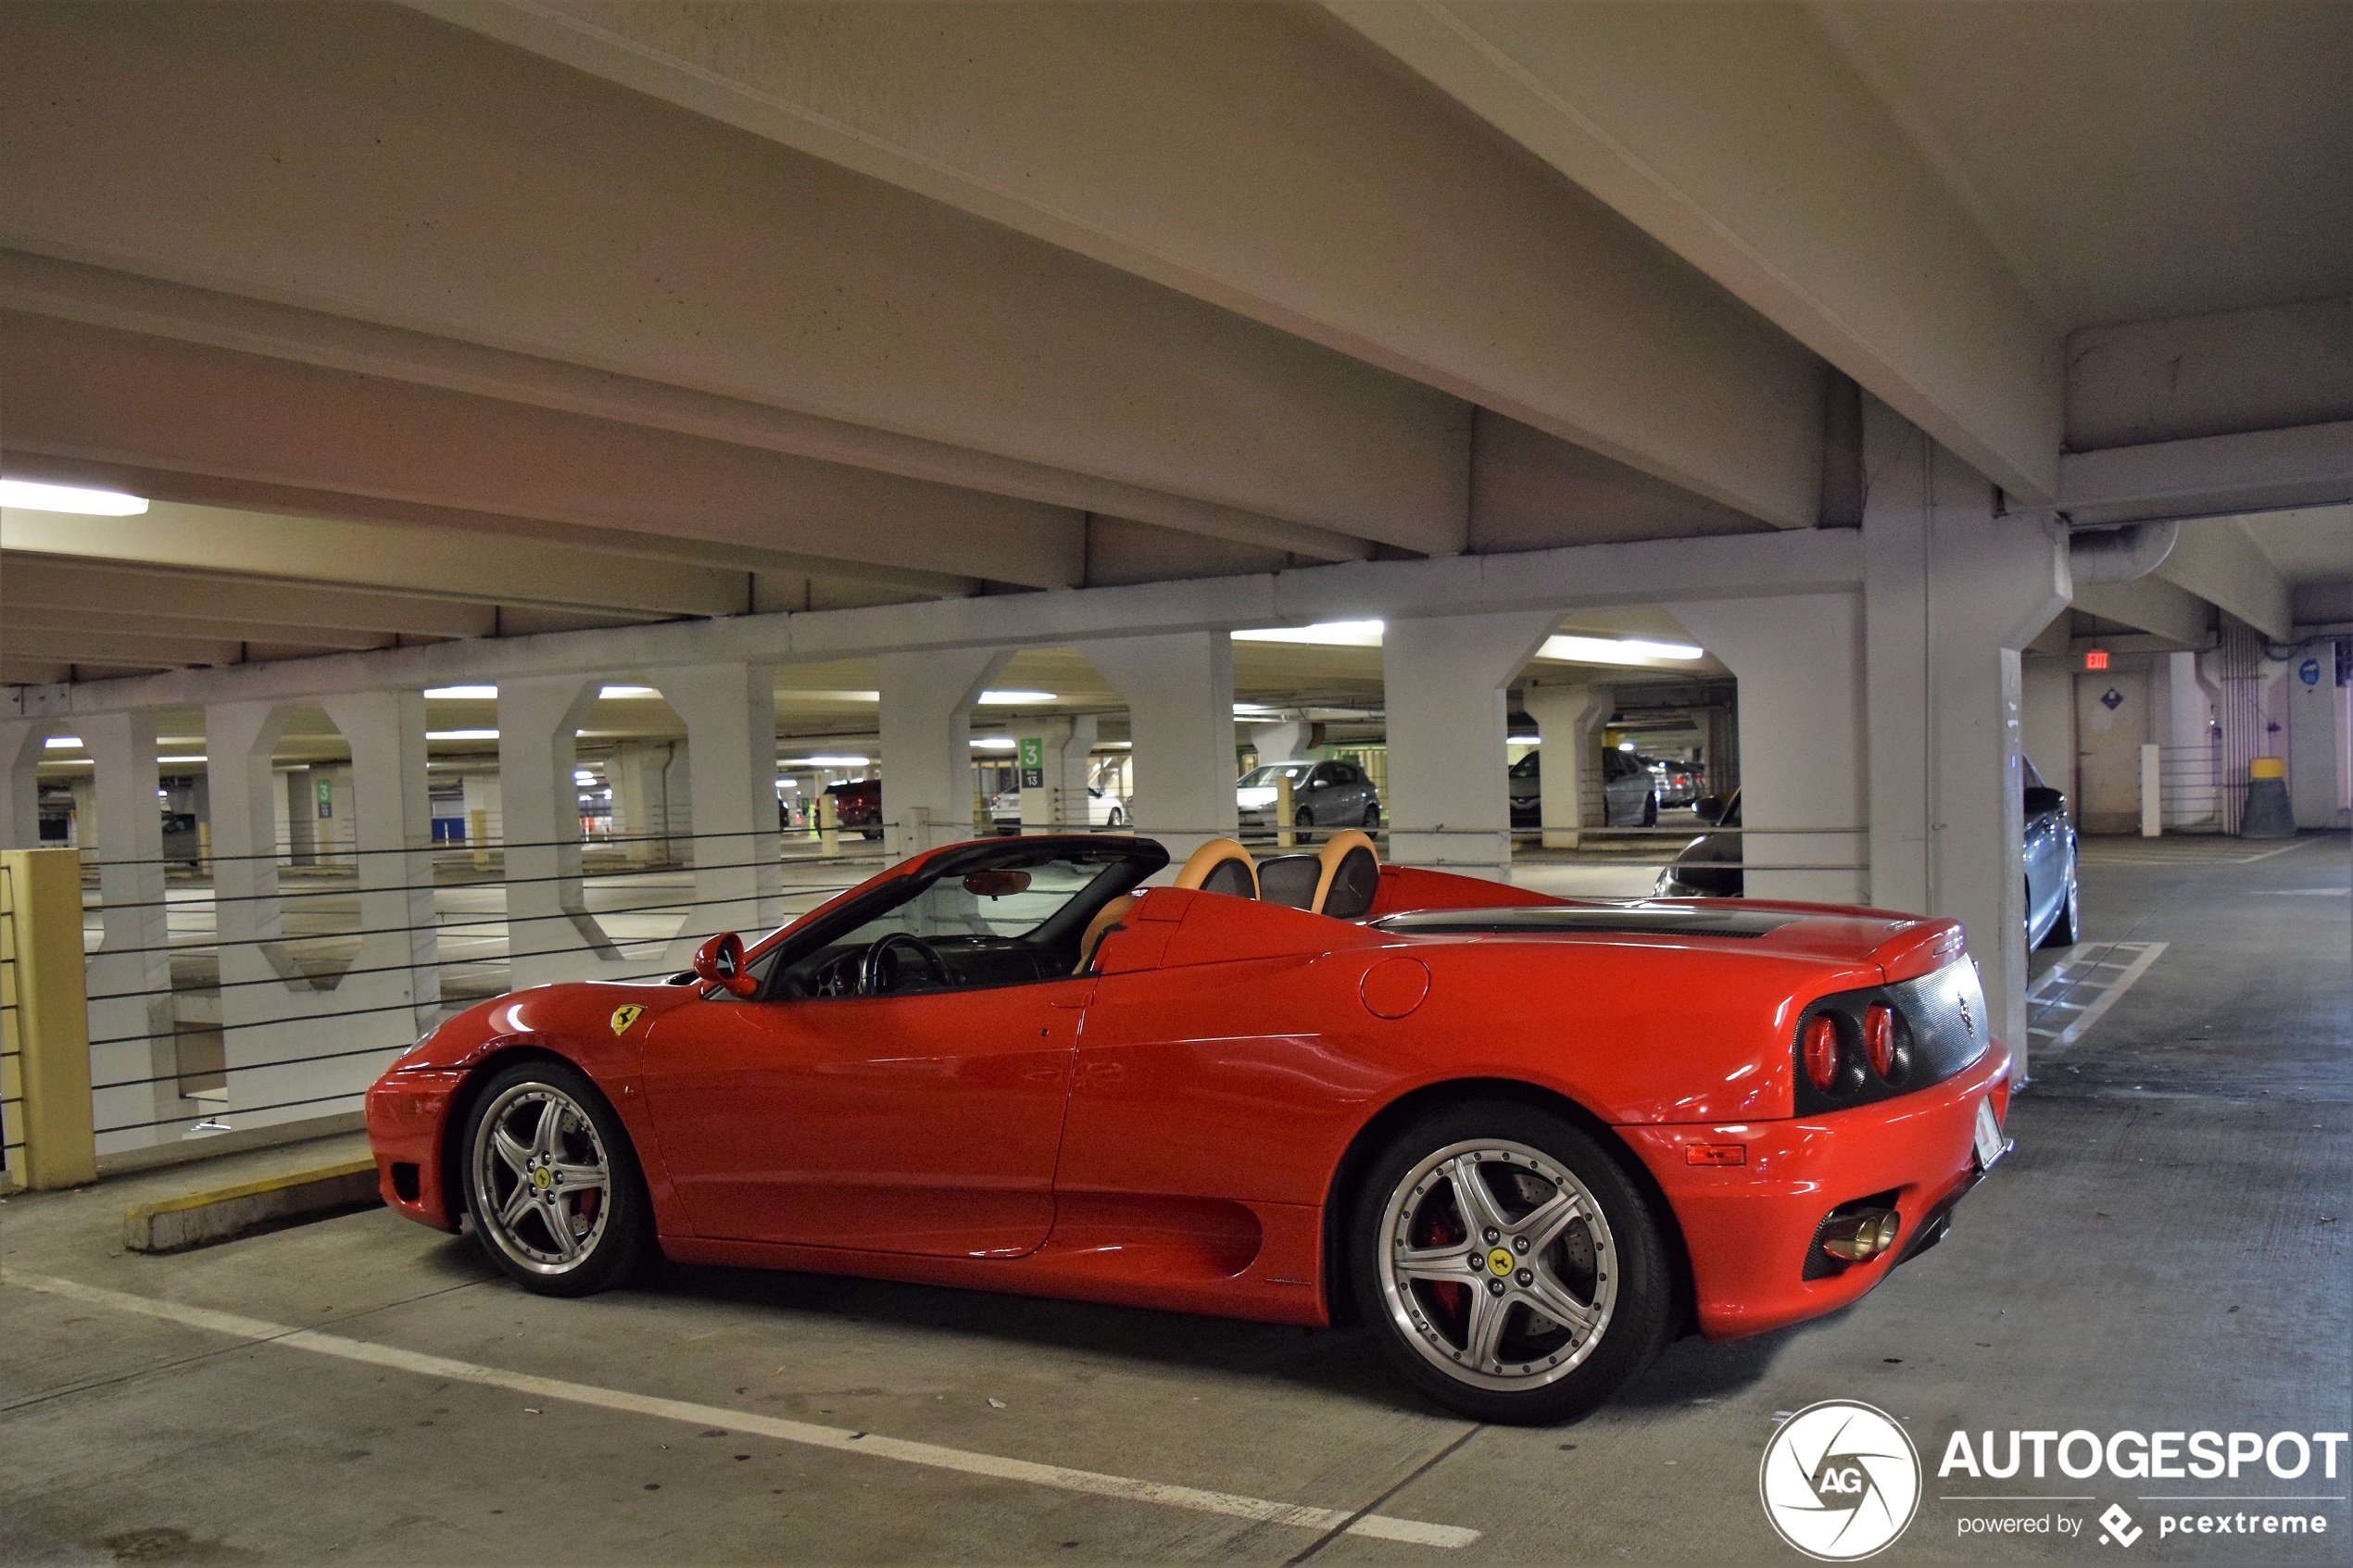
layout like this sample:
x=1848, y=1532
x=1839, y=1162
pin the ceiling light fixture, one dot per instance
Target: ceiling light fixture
x=35, y=497
x=825, y=762
x=992, y=742
x=1013, y=700
x=1572, y=648
x=62, y=743
x=178, y=759
x=624, y=692
x=461, y=735
x=1324, y=634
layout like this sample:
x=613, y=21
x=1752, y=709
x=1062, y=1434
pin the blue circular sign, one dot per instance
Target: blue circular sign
x=2308, y=672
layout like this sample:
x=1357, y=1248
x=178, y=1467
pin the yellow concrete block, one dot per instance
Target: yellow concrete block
x=47, y=1021
x=193, y=1219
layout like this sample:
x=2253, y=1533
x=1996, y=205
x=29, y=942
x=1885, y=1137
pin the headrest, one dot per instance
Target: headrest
x=1221, y=866
x=1291, y=879
x=1350, y=875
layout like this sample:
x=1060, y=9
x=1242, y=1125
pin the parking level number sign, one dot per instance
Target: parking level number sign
x=1033, y=762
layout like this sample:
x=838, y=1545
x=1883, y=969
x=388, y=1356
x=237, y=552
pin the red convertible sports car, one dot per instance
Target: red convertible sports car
x=1527, y=1140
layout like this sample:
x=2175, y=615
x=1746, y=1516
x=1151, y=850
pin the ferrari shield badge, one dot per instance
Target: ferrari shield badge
x=623, y=1017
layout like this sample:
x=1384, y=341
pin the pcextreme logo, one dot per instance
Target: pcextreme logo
x=1840, y=1481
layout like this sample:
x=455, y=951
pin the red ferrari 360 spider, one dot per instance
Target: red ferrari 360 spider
x=1527, y=1140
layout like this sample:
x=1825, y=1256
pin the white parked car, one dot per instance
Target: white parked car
x=1104, y=810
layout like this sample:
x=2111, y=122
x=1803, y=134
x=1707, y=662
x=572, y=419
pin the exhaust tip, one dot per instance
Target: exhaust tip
x=1860, y=1235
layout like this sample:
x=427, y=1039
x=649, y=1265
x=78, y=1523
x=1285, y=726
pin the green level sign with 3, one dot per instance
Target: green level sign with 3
x=1033, y=762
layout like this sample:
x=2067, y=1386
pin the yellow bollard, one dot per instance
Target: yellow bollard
x=47, y=1022
x=1284, y=836
x=478, y=835
x=828, y=824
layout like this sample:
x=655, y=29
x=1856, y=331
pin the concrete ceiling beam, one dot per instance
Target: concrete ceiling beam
x=1745, y=140
x=1258, y=158
x=2152, y=603
x=319, y=550
x=90, y=645
x=107, y=589
x=45, y=286
x=2210, y=476
x=2217, y=561
x=2143, y=382
x=1736, y=566
x=99, y=394
x=48, y=617
x=374, y=163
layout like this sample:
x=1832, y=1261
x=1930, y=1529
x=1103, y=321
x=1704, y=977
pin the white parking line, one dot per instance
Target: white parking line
x=2101, y=975
x=931, y=1455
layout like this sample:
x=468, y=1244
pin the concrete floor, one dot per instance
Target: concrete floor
x=2166, y=1249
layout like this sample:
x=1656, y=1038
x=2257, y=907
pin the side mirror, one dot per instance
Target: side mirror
x=719, y=963
x=1708, y=808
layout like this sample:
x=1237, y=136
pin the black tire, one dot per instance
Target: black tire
x=1117, y=820
x=1372, y=816
x=619, y=1232
x=1621, y=1266
x=1650, y=809
x=2063, y=931
x=1305, y=818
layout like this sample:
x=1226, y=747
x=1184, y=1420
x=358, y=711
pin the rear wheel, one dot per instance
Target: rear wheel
x=1508, y=1264
x=552, y=1183
x=2064, y=932
x=1650, y=811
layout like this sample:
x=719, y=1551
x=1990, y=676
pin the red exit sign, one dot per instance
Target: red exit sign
x=2097, y=659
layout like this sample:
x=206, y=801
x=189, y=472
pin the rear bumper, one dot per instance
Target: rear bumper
x=1750, y=1227
x=407, y=1113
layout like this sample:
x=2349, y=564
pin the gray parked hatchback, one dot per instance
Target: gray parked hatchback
x=1327, y=795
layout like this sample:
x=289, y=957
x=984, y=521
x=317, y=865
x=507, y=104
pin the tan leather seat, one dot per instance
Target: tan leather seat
x=1221, y=866
x=1110, y=914
x=1350, y=876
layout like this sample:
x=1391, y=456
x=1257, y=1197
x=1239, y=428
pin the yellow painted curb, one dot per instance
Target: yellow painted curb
x=173, y=1224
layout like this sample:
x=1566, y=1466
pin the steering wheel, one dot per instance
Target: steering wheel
x=871, y=967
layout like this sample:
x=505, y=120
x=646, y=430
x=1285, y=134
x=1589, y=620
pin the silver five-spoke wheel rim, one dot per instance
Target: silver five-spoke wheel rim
x=1498, y=1265
x=541, y=1179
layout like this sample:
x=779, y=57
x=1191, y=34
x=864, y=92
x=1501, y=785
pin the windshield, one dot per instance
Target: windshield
x=1268, y=775
x=949, y=909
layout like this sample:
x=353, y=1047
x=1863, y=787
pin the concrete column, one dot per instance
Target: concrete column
x=1048, y=803
x=640, y=800
x=1445, y=678
x=730, y=711
x=926, y=744
x=249, y=798
x=1566, y=717
x=1799, y=661
x=1951, y=594
x=550, y=934
x=131, y=1025
x=391, y=838
x=20, y=780
x=1068, y=774
x=1281, y=740
x=1180, y=690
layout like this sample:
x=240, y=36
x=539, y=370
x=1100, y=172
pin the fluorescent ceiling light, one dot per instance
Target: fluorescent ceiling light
x=1523, y=740
x=463, y=694
x=626, y=691
x=68, y=498
x=461, y=735
x=1324, y=634
x=62, y=743
x=178, y=759
x=824, y=761
x=815, y=693
x=1255, y=710
x=1575, y=649
x=583, y=776
x=992, y=742
x=1012, y=699
x=1626, y=746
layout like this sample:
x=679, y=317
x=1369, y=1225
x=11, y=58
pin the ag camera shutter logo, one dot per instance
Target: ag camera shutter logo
x=1840, y=1481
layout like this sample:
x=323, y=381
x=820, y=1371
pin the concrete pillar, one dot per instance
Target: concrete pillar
x=1799, y=661
x=391, y=838
x=20, y=751
x=926, y=744
x=1444, y=679
x=1180, y=690
x=640, y=800
x=730, y=713
x=1281, y=740
x=1566, y=717
x=1046, y=803
x=550, y=934
x=1951, y=594
x=130, y=1021
x=249, y=800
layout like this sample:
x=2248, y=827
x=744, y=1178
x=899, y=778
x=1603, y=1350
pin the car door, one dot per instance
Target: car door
x=2040, y=849
x=923, y=1123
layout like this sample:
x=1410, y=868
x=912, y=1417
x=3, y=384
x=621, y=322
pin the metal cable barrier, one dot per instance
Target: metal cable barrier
x=210, y=1011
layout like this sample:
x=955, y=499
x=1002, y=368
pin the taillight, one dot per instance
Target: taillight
x=1821, y=1053
x=1879, y=1039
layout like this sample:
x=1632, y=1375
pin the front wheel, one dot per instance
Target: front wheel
x=1372, y=816
x=1117, y=820
x=1511, y=1268
x=552, y=1183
